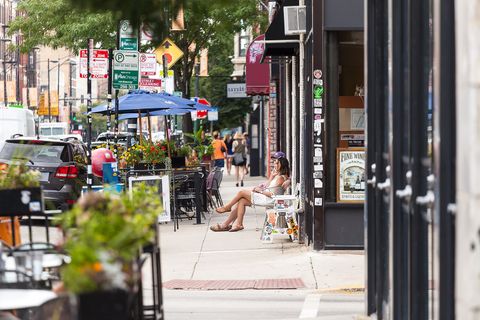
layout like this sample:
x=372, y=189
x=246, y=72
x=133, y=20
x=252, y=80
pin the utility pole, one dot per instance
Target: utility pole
x=48, y=92
x=197, y=91
x=58, y=87
x=4, y=48
x=70, y=101
x=89, y=117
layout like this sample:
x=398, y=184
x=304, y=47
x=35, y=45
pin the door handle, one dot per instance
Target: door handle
x=404, y=193
x=426, y=200
x=384, y=185
x=372, y=181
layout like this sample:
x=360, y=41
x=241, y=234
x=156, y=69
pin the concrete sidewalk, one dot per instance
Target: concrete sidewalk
x=196, y=253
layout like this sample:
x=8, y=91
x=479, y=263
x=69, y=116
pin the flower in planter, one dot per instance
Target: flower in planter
x=18, y=175
x=104, y=235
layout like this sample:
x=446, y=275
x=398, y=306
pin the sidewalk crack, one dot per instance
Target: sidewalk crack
x=313, y=273
x=201, y=249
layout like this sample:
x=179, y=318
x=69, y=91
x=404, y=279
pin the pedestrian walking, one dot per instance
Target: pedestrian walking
x=247, y=144
x=219, y=150
x=239, y=157
x=229, y=143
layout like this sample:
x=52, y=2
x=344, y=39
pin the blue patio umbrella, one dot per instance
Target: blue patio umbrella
x=144, y=101
x=165, y=112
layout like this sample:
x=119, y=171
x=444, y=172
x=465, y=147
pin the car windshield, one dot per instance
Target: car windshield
x=52, y=131
x=34, y=152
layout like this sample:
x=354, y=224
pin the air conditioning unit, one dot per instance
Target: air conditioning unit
x=295, y=18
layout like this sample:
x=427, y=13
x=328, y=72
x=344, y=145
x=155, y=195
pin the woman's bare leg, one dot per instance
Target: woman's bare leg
x=242, y=194
x=237, y=174
x=231, y=217
x=240, y=212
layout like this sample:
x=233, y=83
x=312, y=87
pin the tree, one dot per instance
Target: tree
x=99, y=124
x=57, y=23
x=231, y=111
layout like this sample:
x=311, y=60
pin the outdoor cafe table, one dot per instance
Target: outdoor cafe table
x=15, y=299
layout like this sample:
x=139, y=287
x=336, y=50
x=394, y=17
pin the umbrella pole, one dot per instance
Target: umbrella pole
x=168, y=137
x=140, y=123
x=149, y=127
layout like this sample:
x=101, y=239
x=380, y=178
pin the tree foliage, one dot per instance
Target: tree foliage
x=56, y=23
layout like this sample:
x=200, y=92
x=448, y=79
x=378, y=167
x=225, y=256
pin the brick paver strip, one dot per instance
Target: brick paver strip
x=294, y=283
x=261, y=284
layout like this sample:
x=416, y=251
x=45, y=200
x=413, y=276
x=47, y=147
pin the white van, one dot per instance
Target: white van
x=15, y=121
x=56, y=130
x=52, y=129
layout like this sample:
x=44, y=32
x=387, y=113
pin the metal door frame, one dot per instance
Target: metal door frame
x=419, y=222
x=376, y=233
x=399, y=156
x=445, y=156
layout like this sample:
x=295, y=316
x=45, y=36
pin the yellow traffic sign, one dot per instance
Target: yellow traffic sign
x=171, y=52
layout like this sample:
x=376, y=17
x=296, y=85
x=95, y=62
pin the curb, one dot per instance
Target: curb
x=353, y=289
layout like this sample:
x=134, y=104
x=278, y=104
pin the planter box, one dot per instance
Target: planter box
x=22, y=201
x=101, y=305
x=178, y=162
x=206, y=158
x=149, y=166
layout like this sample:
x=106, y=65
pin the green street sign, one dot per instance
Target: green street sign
x=317, y=92
x=129, y=44
x=126, y=68
x=128, y=37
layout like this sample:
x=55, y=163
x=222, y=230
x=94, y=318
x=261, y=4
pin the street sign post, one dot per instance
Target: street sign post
x=150, y=83
x=98, y=64
x=148, y=64
x=171, y=52
x=128, y=37
x=125, y=69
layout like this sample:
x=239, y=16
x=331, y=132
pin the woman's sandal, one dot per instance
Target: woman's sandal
x=218, y=227
x=235, y=229
x=222, y=210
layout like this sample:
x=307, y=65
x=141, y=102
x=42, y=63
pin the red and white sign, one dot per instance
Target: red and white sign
x=202, y=114
x=148, y=64
x=98, y=64
x=147, y=82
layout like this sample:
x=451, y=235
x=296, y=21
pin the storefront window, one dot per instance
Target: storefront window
x=351, y=119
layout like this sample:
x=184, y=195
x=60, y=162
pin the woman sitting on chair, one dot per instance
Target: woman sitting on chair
x=258, y=197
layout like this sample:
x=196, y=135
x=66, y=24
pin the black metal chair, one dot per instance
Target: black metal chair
x=214, y=181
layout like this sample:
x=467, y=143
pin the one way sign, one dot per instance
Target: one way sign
x=125, y=69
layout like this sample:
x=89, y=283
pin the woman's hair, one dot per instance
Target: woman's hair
x=284, y=167
x=227, y=137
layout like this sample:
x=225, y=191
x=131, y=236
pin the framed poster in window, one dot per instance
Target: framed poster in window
x=351, y=175
x=162, y=184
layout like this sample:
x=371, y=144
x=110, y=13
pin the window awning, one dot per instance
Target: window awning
x=276, y=31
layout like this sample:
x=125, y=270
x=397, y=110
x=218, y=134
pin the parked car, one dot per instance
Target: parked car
x=122, y=138
x=62, y=164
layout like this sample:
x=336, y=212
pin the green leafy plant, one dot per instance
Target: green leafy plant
x=203, y=148
x=18, y=175
x=104, y=234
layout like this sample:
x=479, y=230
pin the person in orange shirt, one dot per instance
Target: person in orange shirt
x=219, y=150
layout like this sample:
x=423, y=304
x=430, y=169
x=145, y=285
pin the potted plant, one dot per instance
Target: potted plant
x=145, y=156
x=202, y=145
x=20, y=193
x=104, y=234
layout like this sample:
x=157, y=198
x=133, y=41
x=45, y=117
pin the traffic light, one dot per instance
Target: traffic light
x=65, y=99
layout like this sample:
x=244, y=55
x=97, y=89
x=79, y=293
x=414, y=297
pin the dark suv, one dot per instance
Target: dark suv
x=63, y=166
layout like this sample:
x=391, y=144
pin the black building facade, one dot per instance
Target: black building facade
x=318, y=80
